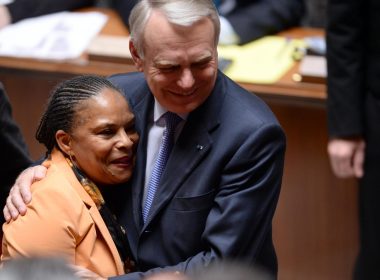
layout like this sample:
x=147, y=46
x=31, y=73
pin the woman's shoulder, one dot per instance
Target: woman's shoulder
x=56, y=181
x=58, y=192
x=55, y=202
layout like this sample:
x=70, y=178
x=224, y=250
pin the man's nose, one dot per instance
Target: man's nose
x=186, y=80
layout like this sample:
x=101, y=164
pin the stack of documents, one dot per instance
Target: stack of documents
x=262, y=61
x=58, y=36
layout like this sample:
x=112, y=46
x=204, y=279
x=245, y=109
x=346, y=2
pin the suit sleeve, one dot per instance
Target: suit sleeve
x=21, y=9
x=240, y=221
x=255, y=19
x=345, y=62
x=14, y=152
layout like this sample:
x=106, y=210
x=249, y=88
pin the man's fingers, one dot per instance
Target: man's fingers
x=20, y=193
x=12, y=210
x=347, y=157
x=39, y=172
x=341, y=164
x=23, y=183
x=358, y=160
x=7, y=214
x=341, y=153
x=342, y=167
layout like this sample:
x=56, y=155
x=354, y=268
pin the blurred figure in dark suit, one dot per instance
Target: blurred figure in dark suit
x=21, y=9
x=353, y=58
x=243, y=21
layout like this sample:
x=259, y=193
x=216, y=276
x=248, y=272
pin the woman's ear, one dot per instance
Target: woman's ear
x=64, y=141
x=136, y=57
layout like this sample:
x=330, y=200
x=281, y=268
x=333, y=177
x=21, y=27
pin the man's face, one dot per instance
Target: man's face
x=180, y=63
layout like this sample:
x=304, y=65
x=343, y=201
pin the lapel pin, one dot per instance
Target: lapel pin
x=199, y=147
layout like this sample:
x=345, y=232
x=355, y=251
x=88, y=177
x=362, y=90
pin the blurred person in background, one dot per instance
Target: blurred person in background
x=22, y=9
x=243, y=21
x=353, y=59
x=37, y=268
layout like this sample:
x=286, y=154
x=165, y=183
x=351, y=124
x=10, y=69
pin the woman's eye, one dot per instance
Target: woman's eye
x=106, y=132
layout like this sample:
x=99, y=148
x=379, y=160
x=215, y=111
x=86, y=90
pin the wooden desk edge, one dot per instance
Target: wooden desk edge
x=284, y=88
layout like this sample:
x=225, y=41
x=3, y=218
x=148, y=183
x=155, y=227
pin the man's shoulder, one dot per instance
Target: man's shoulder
x=133, y=85
x=125, y=80
x=246, y=103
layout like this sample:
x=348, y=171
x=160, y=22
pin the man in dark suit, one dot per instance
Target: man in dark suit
x=353, y=56
x=247, y=20
x=14, y=153
x=218, y=192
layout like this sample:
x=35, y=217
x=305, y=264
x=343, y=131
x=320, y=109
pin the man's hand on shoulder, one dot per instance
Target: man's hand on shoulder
x=20, y=194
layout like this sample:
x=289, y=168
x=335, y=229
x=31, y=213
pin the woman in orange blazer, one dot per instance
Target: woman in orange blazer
x=88, y=130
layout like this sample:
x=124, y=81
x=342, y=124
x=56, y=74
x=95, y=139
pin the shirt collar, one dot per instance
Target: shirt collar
x=159, y=110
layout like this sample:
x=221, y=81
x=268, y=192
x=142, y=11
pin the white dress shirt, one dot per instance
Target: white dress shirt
x=155, y=134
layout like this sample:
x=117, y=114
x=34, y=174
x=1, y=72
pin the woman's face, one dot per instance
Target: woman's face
x=103, y=140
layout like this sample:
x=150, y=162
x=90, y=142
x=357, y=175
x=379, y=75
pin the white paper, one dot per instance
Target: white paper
x=5, y=2
x=58, y=36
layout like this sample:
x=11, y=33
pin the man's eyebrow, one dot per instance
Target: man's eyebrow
x=204, y=57
x=165, y=62
x=170, y=63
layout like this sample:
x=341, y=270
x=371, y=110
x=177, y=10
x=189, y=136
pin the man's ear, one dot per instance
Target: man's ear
x=136, y=57
x=64, y=141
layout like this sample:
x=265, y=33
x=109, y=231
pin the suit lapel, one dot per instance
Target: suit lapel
x=106, y=236
x=143, y=111
x=100, y=224
x=59, y=159
x=183, y=159
x=190, y=149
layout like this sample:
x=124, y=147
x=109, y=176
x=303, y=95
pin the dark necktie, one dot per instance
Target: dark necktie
x=171, y=122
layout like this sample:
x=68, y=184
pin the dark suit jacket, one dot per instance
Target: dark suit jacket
x=353, y=56
x=21, y=9
x=252, y=19
x=14, y=153
x=220, y=187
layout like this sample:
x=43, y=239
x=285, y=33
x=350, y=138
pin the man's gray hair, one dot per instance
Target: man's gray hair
x=179, y=12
